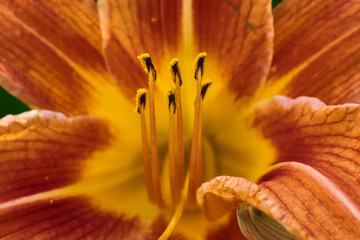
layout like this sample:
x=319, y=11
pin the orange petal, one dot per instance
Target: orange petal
x=313, y=188
x=43, y=150
x=132, y=27
x=321, y=209
x=307, y=131
x=65, y=218
x=49, y=55
x=238, y=37
x=324, y=137
x=46, y=191
x=297, y=196
x=73, y=217
x=225, y=193
x=316, y=50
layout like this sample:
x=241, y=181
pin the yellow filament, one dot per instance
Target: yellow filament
x=174, y=220
x=177, y=214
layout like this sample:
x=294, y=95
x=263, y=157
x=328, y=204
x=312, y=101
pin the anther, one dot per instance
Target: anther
x=172, y=103
x=199, y=63
x=175, y=70
x=148, y=66
x=141, y=99
x=204, y=87
x=140, y=106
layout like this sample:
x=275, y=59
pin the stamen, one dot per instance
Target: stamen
x=195, y=171
x=198, y=178
x=175, y=70
x=172, y=161
x=140, y=106
x=146, y=62
x=176, y=166
x=199, y=163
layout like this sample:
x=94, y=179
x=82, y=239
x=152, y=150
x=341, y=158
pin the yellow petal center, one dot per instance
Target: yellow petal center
x=118, y=177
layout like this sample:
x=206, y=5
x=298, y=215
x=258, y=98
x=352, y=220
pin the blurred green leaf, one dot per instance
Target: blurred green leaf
x=275, y=3
x=10, y=105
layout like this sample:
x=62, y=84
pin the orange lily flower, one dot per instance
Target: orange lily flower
x=90, y=172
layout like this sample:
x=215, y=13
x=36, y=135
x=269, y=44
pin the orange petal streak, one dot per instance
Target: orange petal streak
x=237, y=36
x=65, y=218
x=132, y=27
x=43, y=150
x=316, y=50
x=74, y=217
x=50, y=52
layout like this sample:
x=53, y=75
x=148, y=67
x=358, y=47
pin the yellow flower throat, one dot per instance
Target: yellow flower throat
x=180, y=192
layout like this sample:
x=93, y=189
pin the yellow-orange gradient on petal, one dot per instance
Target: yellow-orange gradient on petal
x=109, y=168
x=312, y=188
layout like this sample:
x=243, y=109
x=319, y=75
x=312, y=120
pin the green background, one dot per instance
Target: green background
x=11, y=105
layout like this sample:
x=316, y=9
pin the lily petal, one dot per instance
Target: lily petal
x=45, y=70
x=324, y=137
x=312, y=189
x=47, y=190
x=64, y=218
x=43, y=150
x=238, y=37
x=297, y=196
x=132, y=27
x=73, y=217
x=317, y=40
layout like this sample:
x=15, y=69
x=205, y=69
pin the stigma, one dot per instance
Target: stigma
x=184, y=180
